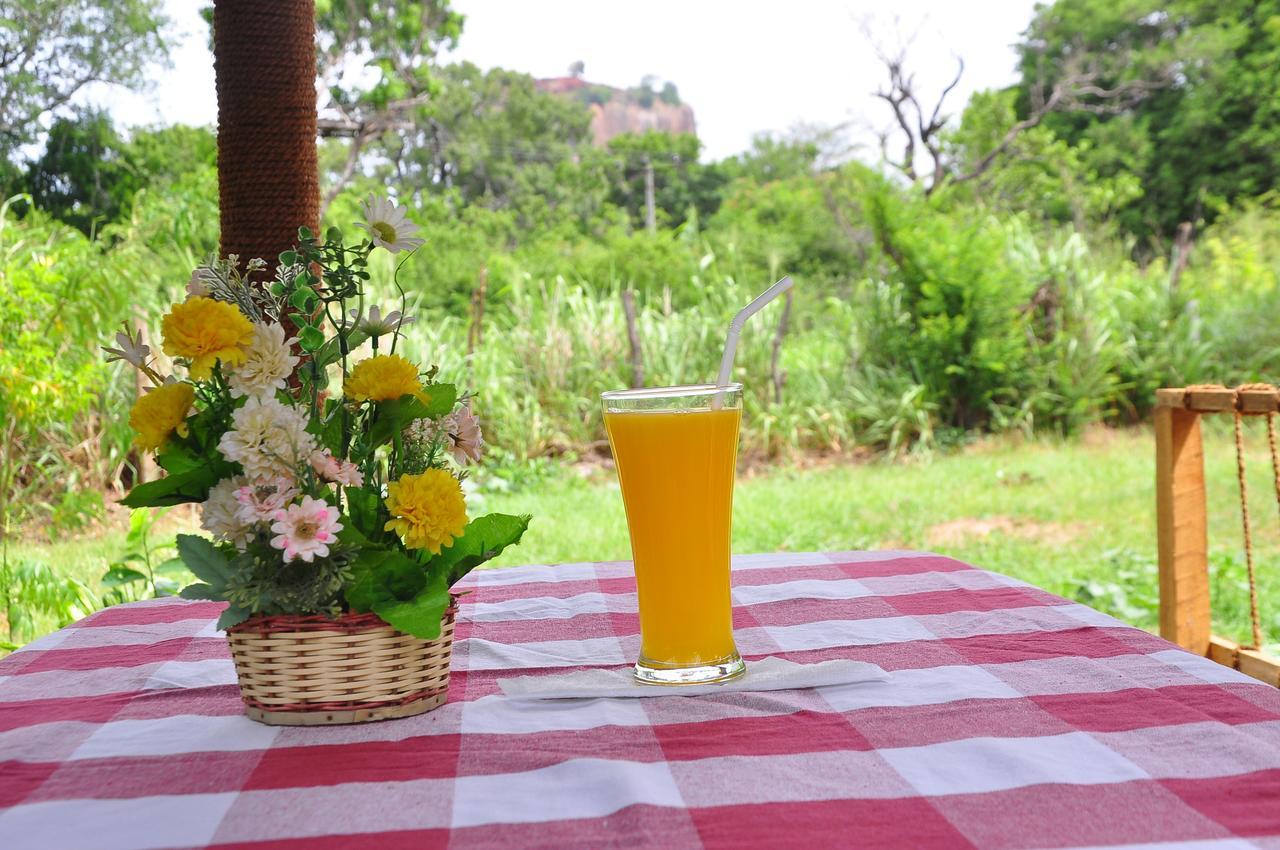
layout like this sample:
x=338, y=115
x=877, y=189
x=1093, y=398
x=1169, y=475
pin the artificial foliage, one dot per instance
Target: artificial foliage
x=328, y=467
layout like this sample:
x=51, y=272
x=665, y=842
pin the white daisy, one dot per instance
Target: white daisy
x=388, y=225
x=375, y=324
x=269, y=439
x=267, y=366
x=220, y=513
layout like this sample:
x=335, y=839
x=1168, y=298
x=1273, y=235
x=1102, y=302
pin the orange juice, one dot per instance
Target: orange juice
x=676, y=468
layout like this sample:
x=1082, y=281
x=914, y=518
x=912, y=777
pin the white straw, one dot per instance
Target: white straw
x=735, y=330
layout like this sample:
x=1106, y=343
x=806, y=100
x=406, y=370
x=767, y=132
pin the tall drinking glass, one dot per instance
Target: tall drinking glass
x=676, y=449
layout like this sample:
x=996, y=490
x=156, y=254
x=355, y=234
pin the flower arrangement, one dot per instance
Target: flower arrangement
x=330, y=483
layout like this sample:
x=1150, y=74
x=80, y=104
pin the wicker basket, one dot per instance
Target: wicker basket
x=316, y=671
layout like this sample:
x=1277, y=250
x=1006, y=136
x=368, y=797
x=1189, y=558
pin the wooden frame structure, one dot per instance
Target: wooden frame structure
x=1182, y=522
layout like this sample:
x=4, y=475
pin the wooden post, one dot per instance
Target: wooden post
x=1182, y=529
x=776, y=376
x=475, y=333
x=650, y=207
x=633, y=336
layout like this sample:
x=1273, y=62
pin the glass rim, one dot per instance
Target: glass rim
x=684, y=391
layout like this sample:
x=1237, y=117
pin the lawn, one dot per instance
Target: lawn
x=1075, y=517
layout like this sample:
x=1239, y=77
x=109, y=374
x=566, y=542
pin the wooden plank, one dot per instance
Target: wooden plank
x=1256, y=401
x=1171, y=397
x=1182, y=530
x=1210, y=400
x=1258, y=665
x=1223, y=651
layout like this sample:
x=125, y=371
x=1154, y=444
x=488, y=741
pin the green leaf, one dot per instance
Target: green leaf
x=362, y=507
x=310, y=338
x=328, y=426
x=442, y=399
x=178, y=488
x=351, y=537
x=137, y=527
x=205, y=560
x=383, y=576
x=395, y=414
x=178, y=458
x=119, y=576
x=200, y=590
x=233, y=616
x=398, y=589
x=421, y=615
x=331, y=351
x=172, y=567
x=288, y=258
x=301, y=299
x=484, y=538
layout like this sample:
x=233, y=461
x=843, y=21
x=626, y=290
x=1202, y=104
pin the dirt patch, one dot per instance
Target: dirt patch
x=179, y=519
x=958, y=531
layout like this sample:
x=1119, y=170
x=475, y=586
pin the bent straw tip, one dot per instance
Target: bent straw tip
x=731, y=341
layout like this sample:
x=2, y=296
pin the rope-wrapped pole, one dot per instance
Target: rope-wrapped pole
x=265, y=62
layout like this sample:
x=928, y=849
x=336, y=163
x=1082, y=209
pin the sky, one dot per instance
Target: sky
x=744, y=66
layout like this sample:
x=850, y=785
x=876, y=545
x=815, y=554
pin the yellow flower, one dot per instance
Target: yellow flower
x=383, y=377
x=429, y=509
x=206, y=331
x=159, y=413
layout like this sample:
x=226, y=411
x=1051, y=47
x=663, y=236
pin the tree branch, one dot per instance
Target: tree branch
x=1080, y=88
x=348, y=170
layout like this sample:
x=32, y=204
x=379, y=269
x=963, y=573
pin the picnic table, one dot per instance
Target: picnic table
x=1010, y=718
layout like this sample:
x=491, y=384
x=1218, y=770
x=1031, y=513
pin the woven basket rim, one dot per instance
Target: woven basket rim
x=350, y=622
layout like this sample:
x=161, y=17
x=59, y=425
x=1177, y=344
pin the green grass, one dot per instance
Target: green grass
x=1074, y=517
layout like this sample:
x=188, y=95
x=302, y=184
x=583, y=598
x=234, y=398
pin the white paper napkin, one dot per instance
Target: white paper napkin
x=768, y=674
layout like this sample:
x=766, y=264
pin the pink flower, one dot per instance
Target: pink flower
x=465, y=431
x=260, y=500
x=330, y=468
x=305, y=530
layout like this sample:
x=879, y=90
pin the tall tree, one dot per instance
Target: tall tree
x=1209, y=136
x=88, y=175
x=51, y=49
x=377, y=66
x=82, y=177
x=681, y=184
x=1082, y=84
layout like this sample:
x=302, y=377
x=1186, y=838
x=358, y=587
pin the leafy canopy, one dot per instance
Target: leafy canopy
x=1206, y=136
x=51, y=49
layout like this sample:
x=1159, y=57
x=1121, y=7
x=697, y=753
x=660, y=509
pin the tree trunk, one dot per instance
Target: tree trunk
x=268, y=185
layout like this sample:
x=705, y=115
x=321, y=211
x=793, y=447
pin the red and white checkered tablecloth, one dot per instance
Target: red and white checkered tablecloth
x=1012, y=718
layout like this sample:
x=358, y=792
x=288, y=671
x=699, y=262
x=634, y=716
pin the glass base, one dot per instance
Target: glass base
x=648, y=673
